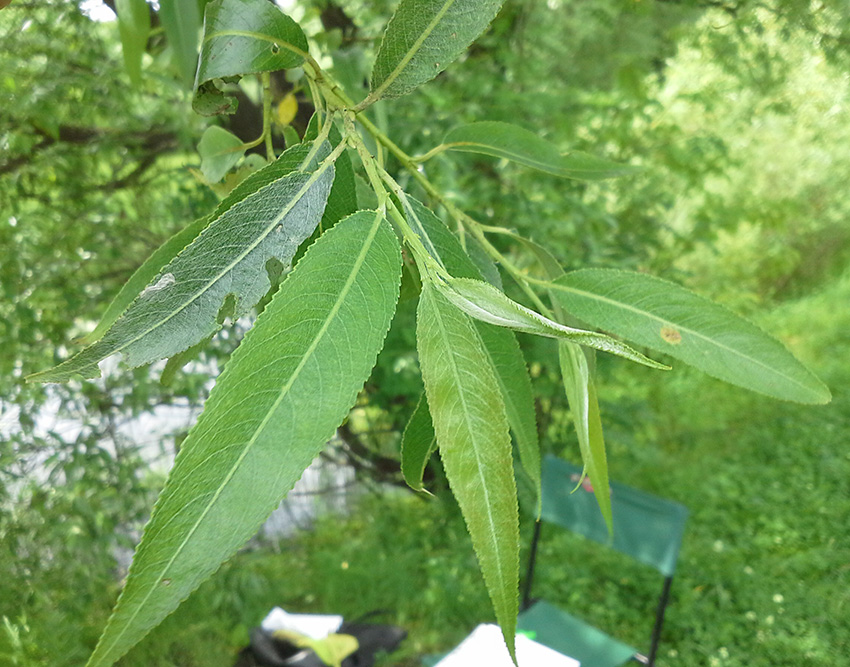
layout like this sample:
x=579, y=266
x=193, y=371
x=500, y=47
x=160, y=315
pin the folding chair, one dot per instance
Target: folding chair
x=646, y=528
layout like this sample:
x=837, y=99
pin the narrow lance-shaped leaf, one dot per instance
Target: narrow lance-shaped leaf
x=423, y=38
x=243, y=37
x=577, y=375
x=152, y=266
x=472, y=434
x=134, y=26
x=286, y=388
x=500, y=344
x=182, y=22
x=668, y=318
x=486, y=303
x=229, y=257
x=417, y=444
x=504, y=140
x=584, y=405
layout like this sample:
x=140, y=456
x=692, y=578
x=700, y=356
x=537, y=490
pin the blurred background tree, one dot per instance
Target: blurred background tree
x=740, y=114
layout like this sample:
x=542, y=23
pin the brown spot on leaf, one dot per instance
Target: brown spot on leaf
x=671, y=335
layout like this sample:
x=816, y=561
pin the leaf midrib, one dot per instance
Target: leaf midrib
x=459, y=384
x=250, y=248
x=358, y=264
x=696, y=334
x=289, y=46
x=413, y=50
x=497, y=151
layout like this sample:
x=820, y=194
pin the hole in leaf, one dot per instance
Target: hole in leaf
x=275, y=49
x=228, y=307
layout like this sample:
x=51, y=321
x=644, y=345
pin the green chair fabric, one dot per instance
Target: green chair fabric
x=646, y=527
x=571, y=636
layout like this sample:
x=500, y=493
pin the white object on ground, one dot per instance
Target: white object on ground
x=314, y=626
x=485, y=647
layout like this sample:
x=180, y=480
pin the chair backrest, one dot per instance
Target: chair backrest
x=646, y=527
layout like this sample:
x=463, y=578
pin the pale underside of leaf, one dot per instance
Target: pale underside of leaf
x=669, y=318
x=146, y=274
x=228, y=257
x=423, y=38
x=286, y=388
x=469, y=420
x=488, y=304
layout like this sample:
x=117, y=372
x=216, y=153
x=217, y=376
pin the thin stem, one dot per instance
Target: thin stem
x=368, y=161
x=267, y=115
x=320, y=139
x=419, y=159
x=317, y=98
x=460, y=216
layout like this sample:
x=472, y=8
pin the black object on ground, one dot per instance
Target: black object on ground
x=267, y=651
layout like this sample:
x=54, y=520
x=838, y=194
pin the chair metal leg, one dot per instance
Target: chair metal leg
x=532, y=558
x=659, y=619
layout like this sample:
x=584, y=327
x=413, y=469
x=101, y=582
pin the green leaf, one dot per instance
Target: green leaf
x=145, y=274
x=500, y=344
x=219, y=150
x=668, y=318
x=417, y=444
x=515, y=143
x=243, y=37
x=179, y=308
x=343, y=198
x=182, y=22
x=291, y=160
x=472, y=433
x=286, y=388
x=134, y=26
x=483, y=262
x=504, y=354
x=584, y=405
x=423, y=38
x=486, y=303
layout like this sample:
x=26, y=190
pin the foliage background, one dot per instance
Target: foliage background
x=739, y=114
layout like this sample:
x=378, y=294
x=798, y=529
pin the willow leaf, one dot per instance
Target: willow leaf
x=486, y=303
x=584, y=405
x=469, y=419
x=134, y=26
x=423, y=38
x=417, y=444
x=504, y=140
x=243, y=37
x=286, y=388
x=668, y=318
x=182, y=21
x=500, y=344
x=152, y=266
x=144, y=275
x=219, y=150
x=179, y=307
